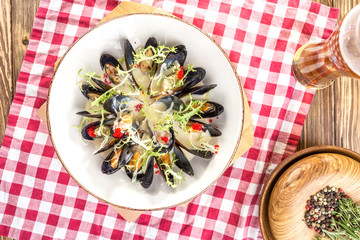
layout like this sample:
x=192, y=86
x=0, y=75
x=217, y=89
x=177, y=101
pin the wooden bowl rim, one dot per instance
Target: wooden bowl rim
x=281, y=168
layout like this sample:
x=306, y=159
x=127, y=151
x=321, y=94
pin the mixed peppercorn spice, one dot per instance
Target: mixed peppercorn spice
x=320, y=209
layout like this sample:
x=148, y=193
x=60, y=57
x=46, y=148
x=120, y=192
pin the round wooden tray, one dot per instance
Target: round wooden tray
x=283, y=200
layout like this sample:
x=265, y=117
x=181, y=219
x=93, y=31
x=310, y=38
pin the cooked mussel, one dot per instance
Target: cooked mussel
x=210, y=109
x=194, y=77
x=199, y=90
x=90, y=91
x=101, y=84
x=163, y=139
x=164, y=162
x=111, y=162
x=107, y=144
x=92, y=115
x=169, y=102
x=162, y=84
x=181, y=161
x=149, y=66
x=117, y=102
x=194, y=126
x=137, y=170
x=130, y=63
x=109, y=64
x=173, y=59
x=200, y=153
x=89, y=131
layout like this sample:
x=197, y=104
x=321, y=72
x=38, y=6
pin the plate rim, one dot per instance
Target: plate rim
x=265, y=228
x=59, y=61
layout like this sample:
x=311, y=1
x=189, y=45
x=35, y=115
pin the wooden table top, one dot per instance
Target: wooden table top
x=333, y=119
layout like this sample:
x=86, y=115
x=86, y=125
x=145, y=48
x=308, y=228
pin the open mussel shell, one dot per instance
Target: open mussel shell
x=101, y=84
x=210, y=109
x=129, y=53
x=171, y=101
x=147, y=179
x=111, y=162
x=200, y=90
x=91, y=92
x=182, y=162
x=127, y=153
x=129, y=61
x=199, y=153
x=160, y=162
x=92, y=115
x=116, y=103
x=174, y=58
x=88, y=132
x=144, y=177
x=194, y=77
x=107, y=145
x=214, y=132
x=109, y=64
x=163, y=140
x=146, y=66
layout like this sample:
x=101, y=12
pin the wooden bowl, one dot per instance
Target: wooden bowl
x=284, y=196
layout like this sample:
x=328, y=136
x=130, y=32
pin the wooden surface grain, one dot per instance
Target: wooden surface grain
x=333, y=119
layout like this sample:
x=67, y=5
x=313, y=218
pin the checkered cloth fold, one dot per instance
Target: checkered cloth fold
x=38, y=198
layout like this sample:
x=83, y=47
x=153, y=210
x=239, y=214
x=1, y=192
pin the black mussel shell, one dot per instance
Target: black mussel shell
x=206, y=127
x=88, y=131
x=127, y=153
x=109, y=144
x=107, y=58
x=194, y=77
x=147, y=179
x=108, y=64
x=181, y=49
x=211, y=109
x=92, y=115
x=146, y=66
x=160, y=147
x=101, y=84
x=91, y=92
x=129, y=54
x=129, y=61
x=182, y=162
x=200, y=90
x=173, y=101
x=116, y=102
x=162, y=168
x=202, y=154
x=178, y=56
x=111, y=162
x=151, y=42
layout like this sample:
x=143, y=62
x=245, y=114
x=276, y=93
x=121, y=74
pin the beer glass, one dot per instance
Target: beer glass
x=317, y=65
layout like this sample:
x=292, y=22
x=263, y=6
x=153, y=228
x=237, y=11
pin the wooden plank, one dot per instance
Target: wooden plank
x=23, y=14
x=16, y=20
x=347, y=100
x=6, y=75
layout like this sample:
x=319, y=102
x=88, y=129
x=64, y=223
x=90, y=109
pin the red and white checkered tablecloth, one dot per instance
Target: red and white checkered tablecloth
x=38, y=198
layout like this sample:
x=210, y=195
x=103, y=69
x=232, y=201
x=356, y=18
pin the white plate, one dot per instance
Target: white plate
x=65, y=99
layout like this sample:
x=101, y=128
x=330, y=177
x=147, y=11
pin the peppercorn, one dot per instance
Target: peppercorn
x=320, y=207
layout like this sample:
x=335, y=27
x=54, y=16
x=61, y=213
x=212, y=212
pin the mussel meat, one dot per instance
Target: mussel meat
x=111, y=162
x=109, y=64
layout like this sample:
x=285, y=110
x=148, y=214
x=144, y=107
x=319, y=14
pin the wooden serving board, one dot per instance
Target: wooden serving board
x=247, y=136
x=306, y=177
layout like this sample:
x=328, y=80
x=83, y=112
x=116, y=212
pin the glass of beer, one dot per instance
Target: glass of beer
x=317, y=65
